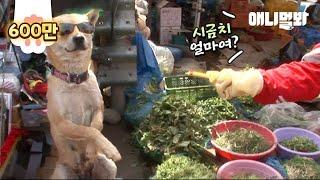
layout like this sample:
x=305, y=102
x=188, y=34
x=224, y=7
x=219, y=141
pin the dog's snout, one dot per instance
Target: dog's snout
x=78, y=40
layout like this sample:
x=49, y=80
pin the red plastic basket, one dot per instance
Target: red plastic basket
x=235, y=124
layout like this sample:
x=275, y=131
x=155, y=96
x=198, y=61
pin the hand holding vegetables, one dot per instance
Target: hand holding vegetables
x=230, y=83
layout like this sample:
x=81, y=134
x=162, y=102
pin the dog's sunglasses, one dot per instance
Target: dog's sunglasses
x=68, y=28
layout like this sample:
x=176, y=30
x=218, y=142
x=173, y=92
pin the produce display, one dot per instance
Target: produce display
x=242, y=141
x=175, y=132
x=215, y=109
x=302, y=168
x=287, y=114
x=246, y=176
x=182, y=167
x=301, y=144
x=246, y=107
x=176, y=125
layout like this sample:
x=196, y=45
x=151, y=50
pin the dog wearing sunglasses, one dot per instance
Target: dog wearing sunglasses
x=75, y=104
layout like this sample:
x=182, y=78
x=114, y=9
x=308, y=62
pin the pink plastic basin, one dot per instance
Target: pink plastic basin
x=232, y=168
x=235, y=124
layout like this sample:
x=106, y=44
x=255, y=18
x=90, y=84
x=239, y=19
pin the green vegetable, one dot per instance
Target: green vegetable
x=177, y=125
x=243, y=141
x=302, y=168
x=246, y=176
x=215, y=110
x=301, y=144
x=182, y=167
x=246, y=107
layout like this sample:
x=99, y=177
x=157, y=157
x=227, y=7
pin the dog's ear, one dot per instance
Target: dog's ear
x=93, y=16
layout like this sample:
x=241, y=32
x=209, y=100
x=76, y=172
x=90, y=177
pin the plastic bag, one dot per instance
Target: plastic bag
x=288, y=114
x=275, y=162
x=141, y=6
x=148, y=70
x=258, y=3
x=9, y=83
x=292, y=51
x=164, y=57
x=141, y=97
x=314, y=117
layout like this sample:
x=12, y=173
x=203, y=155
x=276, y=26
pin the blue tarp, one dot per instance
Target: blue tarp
x=147, y=65
x=310, y=35
x=147, y=71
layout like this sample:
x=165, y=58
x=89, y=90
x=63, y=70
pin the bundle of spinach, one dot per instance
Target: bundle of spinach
x=242, y=141
x=177, y=125
x=301, y=144
x=302, y=168
x=182, y=167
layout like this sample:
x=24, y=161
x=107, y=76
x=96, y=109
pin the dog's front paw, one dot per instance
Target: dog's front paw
x=104, y=168
x=109, y=149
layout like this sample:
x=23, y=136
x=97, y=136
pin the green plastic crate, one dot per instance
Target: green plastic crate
x=189, y=87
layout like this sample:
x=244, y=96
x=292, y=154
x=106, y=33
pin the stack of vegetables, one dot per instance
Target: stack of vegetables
x=176, y=125
x=175, y=132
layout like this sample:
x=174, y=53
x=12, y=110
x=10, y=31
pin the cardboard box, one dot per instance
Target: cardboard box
x=170, y=17
x=166, y=33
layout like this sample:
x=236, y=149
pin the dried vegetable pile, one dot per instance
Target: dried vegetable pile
x=302, y=168
x=242, y=141
x=183, y=167
x=301, y=144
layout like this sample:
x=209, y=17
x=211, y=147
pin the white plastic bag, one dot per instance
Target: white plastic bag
x=164, y=58
x=141, y=6
x=258, y=3
x=288, y=114
x=9, y=83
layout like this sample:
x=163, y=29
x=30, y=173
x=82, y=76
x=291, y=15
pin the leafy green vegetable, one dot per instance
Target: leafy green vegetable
x=302, y=168
x=215, y=109
x=246, y=176
x=246, y=107
x=243, y=141
x=301, y=144
x=183, y=167
x=177, y=125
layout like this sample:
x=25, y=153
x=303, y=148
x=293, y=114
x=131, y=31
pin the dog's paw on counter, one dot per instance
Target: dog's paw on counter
x=111, y=116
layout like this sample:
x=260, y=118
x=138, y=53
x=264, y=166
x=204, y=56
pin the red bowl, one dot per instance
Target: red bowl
x=235, y=124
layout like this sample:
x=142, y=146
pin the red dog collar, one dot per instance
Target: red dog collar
x=69, y=77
